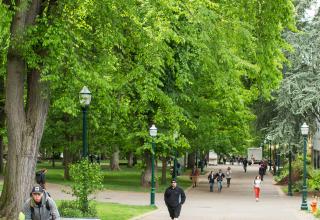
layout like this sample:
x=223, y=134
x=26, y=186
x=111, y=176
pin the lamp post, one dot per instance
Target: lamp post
x=290, y=174
x=269, y=140
x=304, y=132
x=278, y=160
x=85, y=99
x=153, y=133
x=175, y=162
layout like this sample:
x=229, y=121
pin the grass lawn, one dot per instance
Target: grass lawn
x=127, y=179
x=115, y=211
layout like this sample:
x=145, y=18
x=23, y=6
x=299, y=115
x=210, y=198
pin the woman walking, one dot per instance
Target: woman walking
x=228, y=176
x=256, y=187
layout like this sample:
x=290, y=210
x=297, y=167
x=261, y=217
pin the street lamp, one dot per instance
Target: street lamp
x=278, y=159
x=304, y=132
x=290, y=174
x=269, y=140
x=85, y=99
x=175, y=168
x=153, y=133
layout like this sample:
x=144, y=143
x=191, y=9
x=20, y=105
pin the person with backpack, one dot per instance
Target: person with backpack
x=40, y=206
x=245, y=164
x=41, y=178
x=256, y=187
x=211, y=178
x=220, y=176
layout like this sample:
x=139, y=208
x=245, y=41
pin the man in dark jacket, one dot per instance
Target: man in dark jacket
x=174, y=197
x=40, y=206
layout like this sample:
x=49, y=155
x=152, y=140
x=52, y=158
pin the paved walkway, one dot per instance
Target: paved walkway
x=234, y=203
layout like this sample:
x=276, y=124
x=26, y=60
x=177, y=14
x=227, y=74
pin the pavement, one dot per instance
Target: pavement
x=234, y=203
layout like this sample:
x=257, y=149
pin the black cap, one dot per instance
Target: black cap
x=37, y=189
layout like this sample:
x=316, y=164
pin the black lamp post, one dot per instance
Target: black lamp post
x=278, y=160
x=85, y=99
x=290, y=174
x=304, y=132
x=175, y=162
x=153, y=133
x=269, y=140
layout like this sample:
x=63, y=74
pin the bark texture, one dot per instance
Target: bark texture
x=164, y=171
x=146, y=174
x=114, y=163
x=25, y=122
x=130, y=159
x=2, y=122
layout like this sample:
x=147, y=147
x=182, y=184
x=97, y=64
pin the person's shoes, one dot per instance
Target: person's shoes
x=257, y=199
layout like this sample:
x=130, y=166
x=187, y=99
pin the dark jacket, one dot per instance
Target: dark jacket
x=219, y=176
x=174, y=197
x=46, y=210
x=211, y=178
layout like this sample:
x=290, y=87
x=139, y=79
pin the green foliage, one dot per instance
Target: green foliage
x=87, y=179
x=72, y=209
x=314, y=180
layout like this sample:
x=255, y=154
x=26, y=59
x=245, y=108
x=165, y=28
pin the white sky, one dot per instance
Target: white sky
x=312, y=11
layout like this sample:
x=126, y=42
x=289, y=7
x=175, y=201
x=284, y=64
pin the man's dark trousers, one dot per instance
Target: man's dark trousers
x=174, y=211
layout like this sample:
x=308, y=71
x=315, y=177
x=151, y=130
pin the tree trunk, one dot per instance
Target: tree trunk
x=25, y=124
x=191, y=160
x=2, y=124
x=146, y=173
x=25, y=129
x=114, y=162
x=164, y=171
x=130, y=159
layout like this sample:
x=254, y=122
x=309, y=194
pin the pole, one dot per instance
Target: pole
x=290, y=174
x=152, y=196
x=270, y=155
x=174, y=172
x=304, y=205
x=84, y=133
x=278, y=162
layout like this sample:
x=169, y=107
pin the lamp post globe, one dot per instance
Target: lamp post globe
x=85, y=99
x=304, y=132
x=153, y=133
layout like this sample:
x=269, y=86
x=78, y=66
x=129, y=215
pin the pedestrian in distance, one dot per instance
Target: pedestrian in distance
x=228, y=176
x=256, y=187
x=174, y=198
x=245, y=164
x=41, y=177
x=211, y=178
x=40, y=206
x=261, y=171
x=220, y=176
x=194, y=176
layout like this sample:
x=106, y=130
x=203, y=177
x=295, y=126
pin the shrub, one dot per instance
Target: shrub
x=87, y=179
x=73, y=209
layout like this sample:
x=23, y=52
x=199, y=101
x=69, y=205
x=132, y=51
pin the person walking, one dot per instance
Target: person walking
x=40, y=206
x=211, y=178
x=245, y=164
x=41, y=177
x=256, y=187
x=194, y=176
x=174, y=198
x=219, y=177
x=261, y=171
x=228, y=176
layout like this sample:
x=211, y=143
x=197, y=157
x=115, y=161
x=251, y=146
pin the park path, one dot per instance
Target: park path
x=234, y=203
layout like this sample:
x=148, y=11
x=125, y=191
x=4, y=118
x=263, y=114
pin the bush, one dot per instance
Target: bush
x=87, y=179
x=73, y=209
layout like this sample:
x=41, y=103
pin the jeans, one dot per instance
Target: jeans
x=219, y=186
x=211, y=186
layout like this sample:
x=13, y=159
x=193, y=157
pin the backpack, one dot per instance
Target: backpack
x=40, y=178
